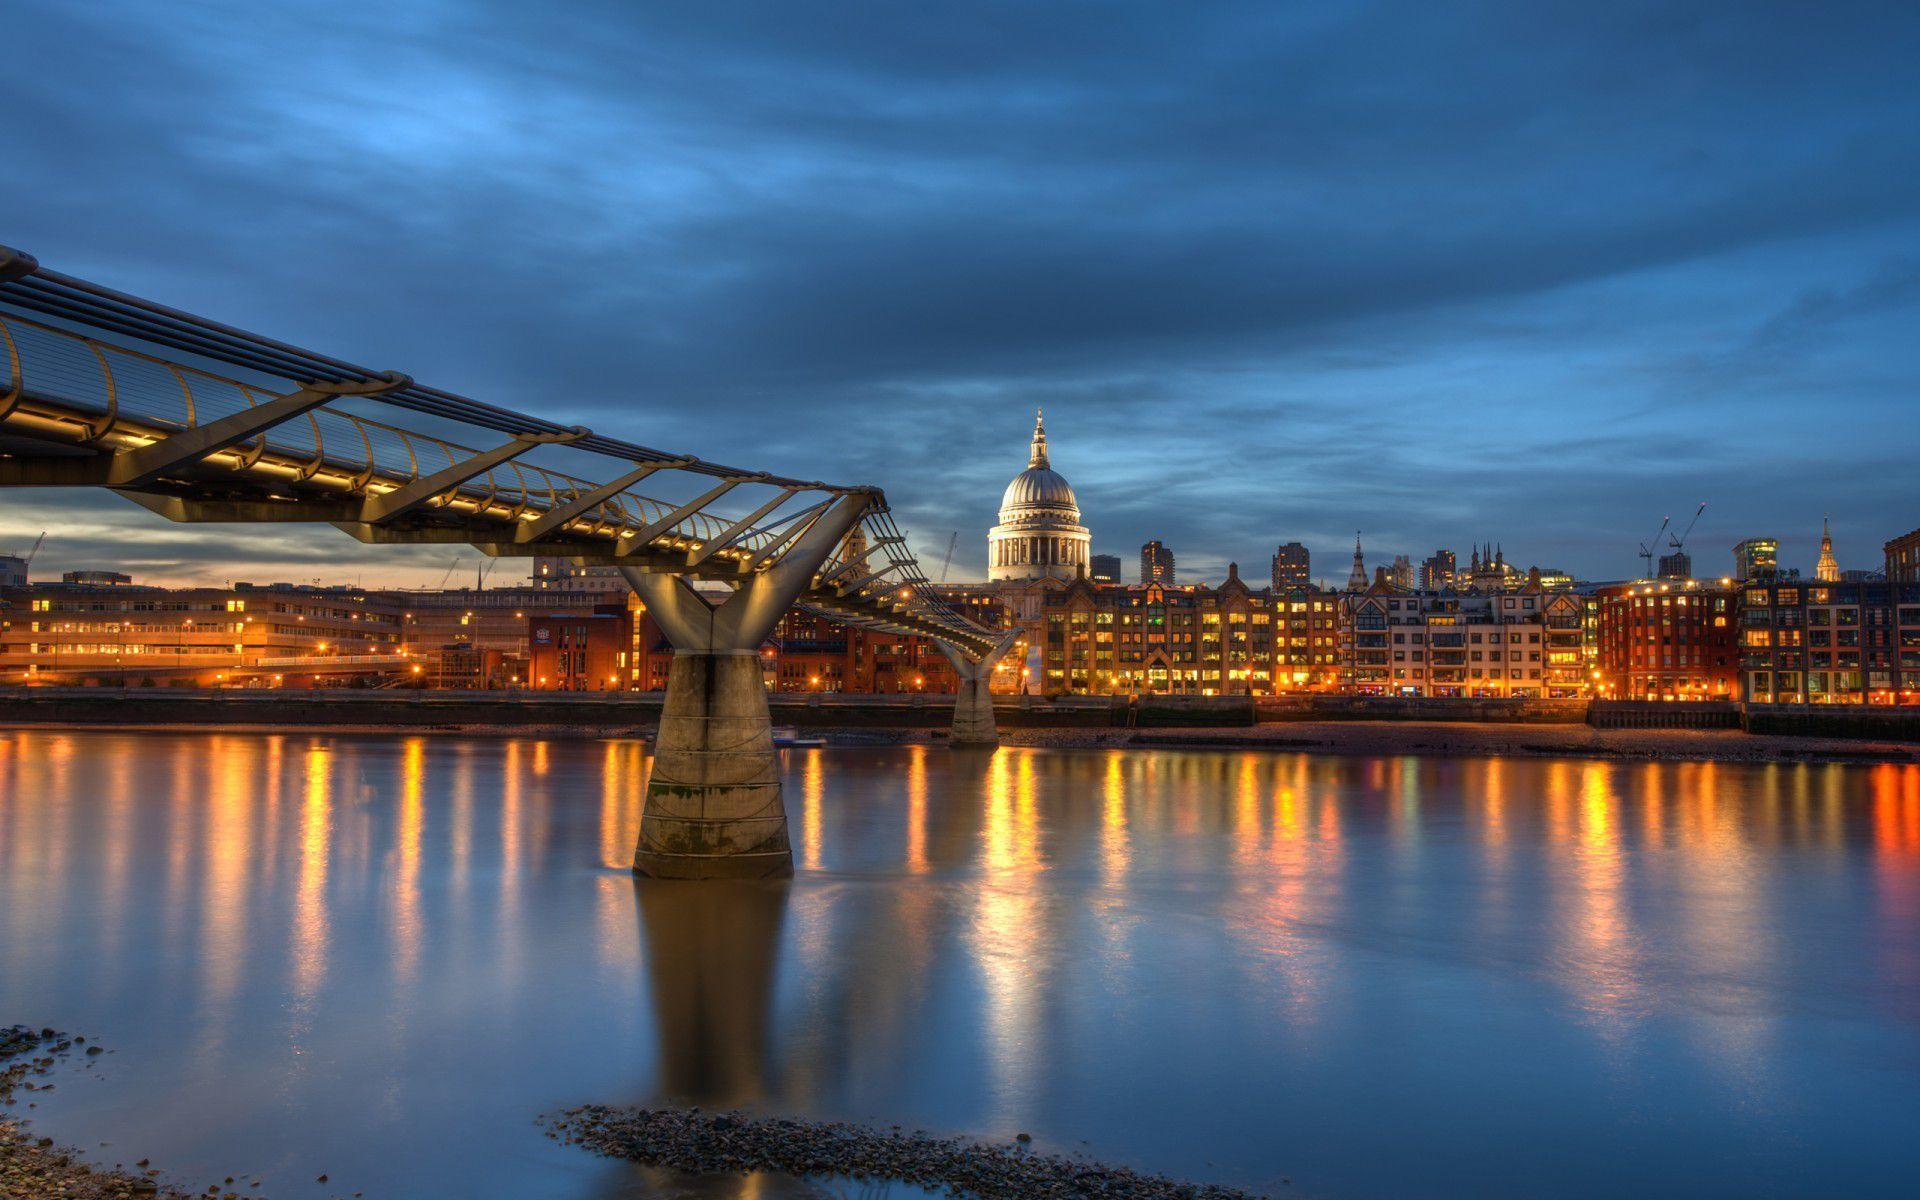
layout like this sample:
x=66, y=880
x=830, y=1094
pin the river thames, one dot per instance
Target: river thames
x=383, y=958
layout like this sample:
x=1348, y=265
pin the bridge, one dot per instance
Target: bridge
x=205, y=423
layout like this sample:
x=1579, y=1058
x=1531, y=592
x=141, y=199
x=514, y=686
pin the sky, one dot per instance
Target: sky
x=1534, y=273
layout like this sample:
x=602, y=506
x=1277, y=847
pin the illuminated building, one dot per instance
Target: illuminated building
x=1669, y=640
x=600, y=650
x=55, y=633
x=1292, y=567
x=1156, y=564
x=1039, y=535
x=1525, y=644
x=1436, y=572
x=1903, y=558
x=1814, y=642
x=1756, y=558
x=1105, y=568
x=1196, y=640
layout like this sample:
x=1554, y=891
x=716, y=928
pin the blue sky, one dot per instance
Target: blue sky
x=1533, y=272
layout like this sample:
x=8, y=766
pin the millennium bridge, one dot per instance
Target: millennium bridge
x=201, y=422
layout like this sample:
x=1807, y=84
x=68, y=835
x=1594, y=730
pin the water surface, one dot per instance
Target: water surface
x=383, y=958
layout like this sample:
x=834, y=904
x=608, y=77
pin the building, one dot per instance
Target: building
x=1525, y=644
x=1105, y=568
x=811, y=653
x=1669, y=640
x=1678, y=565
x=1401, y=573
x=1039, y=535
x=1156, y=564
x=1827, y=569
x=126, y=633
x=1815, y=642
x=1756, y=558
x=13, y=571
x=1187, y=641
x=1437, y=571
x=1357, y=576
x=1488, y=571
x=598, y=650
x=562, y=575
x=97, y=578
x=1292, y=567
x=1903, y=558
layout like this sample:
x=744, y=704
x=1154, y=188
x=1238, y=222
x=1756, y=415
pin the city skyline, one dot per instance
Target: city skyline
x=1434, y=279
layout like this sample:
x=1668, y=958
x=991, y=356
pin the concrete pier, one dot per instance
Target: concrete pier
x=713, y=805
x=973, y=723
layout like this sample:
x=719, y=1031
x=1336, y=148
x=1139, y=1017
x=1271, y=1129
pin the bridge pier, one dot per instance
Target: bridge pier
x=973, y=723
x=713, y=806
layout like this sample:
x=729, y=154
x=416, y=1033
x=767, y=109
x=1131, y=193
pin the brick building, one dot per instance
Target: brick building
x=1195, y=640
x=1671, y=640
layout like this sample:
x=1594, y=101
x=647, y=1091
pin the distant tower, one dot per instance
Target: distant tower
x=1292, y=566
x=1357, y=578
x=1827, y=570
x=1156, y=564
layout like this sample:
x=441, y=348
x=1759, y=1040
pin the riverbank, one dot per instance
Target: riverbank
x=34, y=1168
x=1444, y=739
x=735, y=1143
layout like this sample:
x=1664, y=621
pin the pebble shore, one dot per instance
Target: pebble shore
x=705, y=1143
x=33, y=1168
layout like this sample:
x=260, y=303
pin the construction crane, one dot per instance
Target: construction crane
x=28, y=560
x=481, y=572
x=448, y=575
x=1652, y=545
x=948, y=565
x=1680, y=542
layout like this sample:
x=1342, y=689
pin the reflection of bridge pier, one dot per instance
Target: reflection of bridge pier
x=712, y=953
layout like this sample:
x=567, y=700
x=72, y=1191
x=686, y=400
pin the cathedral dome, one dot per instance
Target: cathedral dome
x=1039, y=491
x=1039, y=535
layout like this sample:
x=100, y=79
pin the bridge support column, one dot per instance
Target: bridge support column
x=973, y=723
x=713, y=807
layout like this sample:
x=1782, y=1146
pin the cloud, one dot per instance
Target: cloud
x=1439, y=272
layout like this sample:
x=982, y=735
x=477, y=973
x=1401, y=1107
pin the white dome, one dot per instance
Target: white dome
x=1039, y=491
x=1039, y=535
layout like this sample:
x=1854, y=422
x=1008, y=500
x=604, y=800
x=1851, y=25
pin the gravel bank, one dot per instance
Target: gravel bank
x=687, y=1139
x=33, y=1168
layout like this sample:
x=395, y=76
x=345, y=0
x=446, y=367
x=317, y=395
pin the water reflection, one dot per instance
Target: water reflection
x=390, y=953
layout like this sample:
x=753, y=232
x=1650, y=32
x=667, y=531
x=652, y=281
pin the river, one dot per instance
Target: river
x=382, y=958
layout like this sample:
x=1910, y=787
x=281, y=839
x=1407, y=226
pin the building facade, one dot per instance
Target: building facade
x=127, y=633
x=1292, y=567
x=1229, y=640
x=1525, y=644
x=1668, y=640
x=1817, y=642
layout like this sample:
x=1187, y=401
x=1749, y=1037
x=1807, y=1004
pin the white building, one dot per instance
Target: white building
x=1039, y=535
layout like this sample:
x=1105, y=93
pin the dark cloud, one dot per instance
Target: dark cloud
x=1535, y=272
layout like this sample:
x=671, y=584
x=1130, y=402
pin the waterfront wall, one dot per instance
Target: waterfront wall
x=1652, y=714
x=640, y=711
x=1280, y=709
